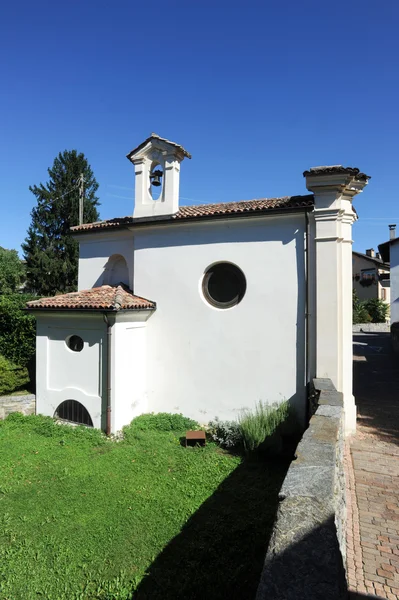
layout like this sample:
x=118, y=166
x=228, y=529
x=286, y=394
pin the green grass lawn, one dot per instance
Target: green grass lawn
x=86, y=517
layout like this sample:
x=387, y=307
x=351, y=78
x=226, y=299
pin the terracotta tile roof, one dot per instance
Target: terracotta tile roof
x=154, y=136
x=336, y=170
x=208, y=211
x=106, y=297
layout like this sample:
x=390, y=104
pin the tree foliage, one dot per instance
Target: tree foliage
x=12, y=377
x=50, y=251
x=17, y=329
x=12, y=271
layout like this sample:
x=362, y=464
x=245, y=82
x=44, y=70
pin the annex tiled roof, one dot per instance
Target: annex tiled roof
x=208, y=211
x=373, y=259
x=154, y=136
x=106, y=297
x=336, y=170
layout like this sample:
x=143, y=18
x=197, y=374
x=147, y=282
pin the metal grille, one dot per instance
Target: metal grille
x=74, y=412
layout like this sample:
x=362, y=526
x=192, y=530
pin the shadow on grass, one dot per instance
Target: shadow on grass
x=220, y=551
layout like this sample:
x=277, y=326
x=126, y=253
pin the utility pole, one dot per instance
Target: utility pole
x=81, y=198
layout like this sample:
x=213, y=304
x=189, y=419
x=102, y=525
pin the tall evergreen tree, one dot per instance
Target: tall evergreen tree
x=50, y=252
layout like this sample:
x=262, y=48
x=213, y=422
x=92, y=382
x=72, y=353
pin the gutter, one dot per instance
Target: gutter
x=109, y=373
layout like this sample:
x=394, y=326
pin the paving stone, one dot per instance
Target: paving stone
x=372, y=472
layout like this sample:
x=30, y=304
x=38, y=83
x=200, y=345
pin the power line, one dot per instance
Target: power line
x=65, y=194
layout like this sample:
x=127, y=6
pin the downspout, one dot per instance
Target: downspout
x=307, y=314
x=109, y=373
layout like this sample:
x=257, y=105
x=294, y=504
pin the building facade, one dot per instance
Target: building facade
x=183, y=309
x=371, y=276
x=389, y=252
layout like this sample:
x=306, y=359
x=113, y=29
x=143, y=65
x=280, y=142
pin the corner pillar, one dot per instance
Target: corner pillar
x=334, y=189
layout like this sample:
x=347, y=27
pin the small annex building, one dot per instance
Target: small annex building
x=203, y=310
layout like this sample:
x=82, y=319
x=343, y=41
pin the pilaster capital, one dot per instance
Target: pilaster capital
x=333, y=184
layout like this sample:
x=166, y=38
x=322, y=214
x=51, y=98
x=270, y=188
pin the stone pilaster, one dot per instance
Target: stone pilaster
x=334, y=189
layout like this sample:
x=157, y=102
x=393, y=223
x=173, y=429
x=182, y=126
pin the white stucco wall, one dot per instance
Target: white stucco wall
x=66, y=375
x=95, y=252
x=129, y=369
x=207, y=362
x=394, y=261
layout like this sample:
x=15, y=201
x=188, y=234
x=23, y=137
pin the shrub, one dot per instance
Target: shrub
x=163, y=422
x=377, y=309
x=261, y=423
x=360, y=314
x=12, y=377
x=17, y=329
x=226, y=433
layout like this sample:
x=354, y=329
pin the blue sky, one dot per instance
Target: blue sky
x=256, y=91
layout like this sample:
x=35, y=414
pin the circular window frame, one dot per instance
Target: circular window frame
x=68, y=343
x=217, y=303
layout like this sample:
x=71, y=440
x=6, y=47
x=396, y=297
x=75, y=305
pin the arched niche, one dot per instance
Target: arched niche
x=116, y=271
x=73, y=412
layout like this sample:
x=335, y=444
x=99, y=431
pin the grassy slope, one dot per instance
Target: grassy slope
x=84, y=517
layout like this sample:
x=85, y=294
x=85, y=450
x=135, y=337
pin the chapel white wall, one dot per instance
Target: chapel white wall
x=206, y=362
x=66, y=375
x=129, y=369
x=95, y=253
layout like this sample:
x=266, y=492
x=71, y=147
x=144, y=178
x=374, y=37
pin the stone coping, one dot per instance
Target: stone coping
x=371, y=328
x=305, y=558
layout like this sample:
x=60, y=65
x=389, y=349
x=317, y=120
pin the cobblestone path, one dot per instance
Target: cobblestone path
x=372, y=462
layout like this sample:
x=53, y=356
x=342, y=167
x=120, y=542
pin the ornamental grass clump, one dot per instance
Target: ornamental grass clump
x=261, y=423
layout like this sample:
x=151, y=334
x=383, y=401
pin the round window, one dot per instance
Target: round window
x=75, y=343
x=224, y=285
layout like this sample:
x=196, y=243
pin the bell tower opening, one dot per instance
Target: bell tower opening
x=157, y=176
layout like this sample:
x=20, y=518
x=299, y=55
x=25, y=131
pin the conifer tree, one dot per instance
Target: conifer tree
x=50, y=252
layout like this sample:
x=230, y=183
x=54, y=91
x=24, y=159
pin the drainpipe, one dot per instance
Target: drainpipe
x=307, y=314
x=109, y=372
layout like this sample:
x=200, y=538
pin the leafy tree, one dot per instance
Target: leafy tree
x=50, y=251
x=18, y=333
x=17, y=329
x=12, y=272
x=12, y=377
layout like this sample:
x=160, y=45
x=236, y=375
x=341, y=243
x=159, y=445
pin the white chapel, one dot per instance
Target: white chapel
x=202, y=310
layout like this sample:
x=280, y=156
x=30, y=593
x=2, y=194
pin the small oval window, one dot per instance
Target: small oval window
x=75, y=343
x=224, y=285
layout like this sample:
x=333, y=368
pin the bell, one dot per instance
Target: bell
x=155, y=178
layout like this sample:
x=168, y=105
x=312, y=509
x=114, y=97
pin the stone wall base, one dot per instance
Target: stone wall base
x=23, y=404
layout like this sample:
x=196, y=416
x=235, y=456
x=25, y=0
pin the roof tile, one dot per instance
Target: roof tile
x=106, y=297
x=337, y=170
x=244, y=208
